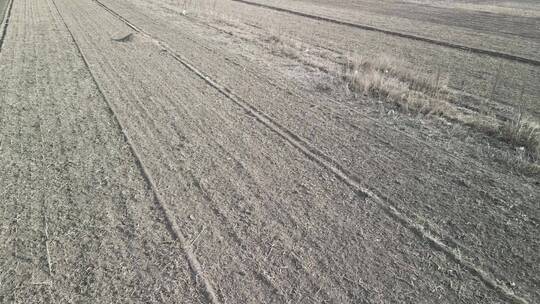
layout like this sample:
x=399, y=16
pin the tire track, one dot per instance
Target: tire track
x=196, y=180
x=433, y=236
x=120, y=218
x=400, y=34
x=90, y=128
x=169, y=219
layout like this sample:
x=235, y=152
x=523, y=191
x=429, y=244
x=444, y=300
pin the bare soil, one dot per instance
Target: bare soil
x=150, y=156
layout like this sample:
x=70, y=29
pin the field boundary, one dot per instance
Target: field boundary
x=430, y=234
x=446, y=44
x=4, y=23
x=170, y=223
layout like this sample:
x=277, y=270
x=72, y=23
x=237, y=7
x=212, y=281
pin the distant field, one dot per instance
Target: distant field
x=500, y=28
x=519, y=8
x=517, y=34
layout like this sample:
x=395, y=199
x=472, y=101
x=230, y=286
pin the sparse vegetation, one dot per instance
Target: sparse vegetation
x=279, y=47
x=385, y=78
x=523, y=132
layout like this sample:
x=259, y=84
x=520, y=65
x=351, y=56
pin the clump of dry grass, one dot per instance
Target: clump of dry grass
x=392, y=67
x=284, y=47
x=386, y=78
x=285, y=50
x=524, y=133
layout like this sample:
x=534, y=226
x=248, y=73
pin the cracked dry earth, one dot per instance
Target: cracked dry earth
x=141, y=162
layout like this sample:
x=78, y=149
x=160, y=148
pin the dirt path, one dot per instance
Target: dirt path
x=234, y=186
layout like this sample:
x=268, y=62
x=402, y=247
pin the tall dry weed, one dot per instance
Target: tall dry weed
x=386, y=78
x=524, y=133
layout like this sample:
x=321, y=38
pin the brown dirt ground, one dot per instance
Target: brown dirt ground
x=246, y=181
